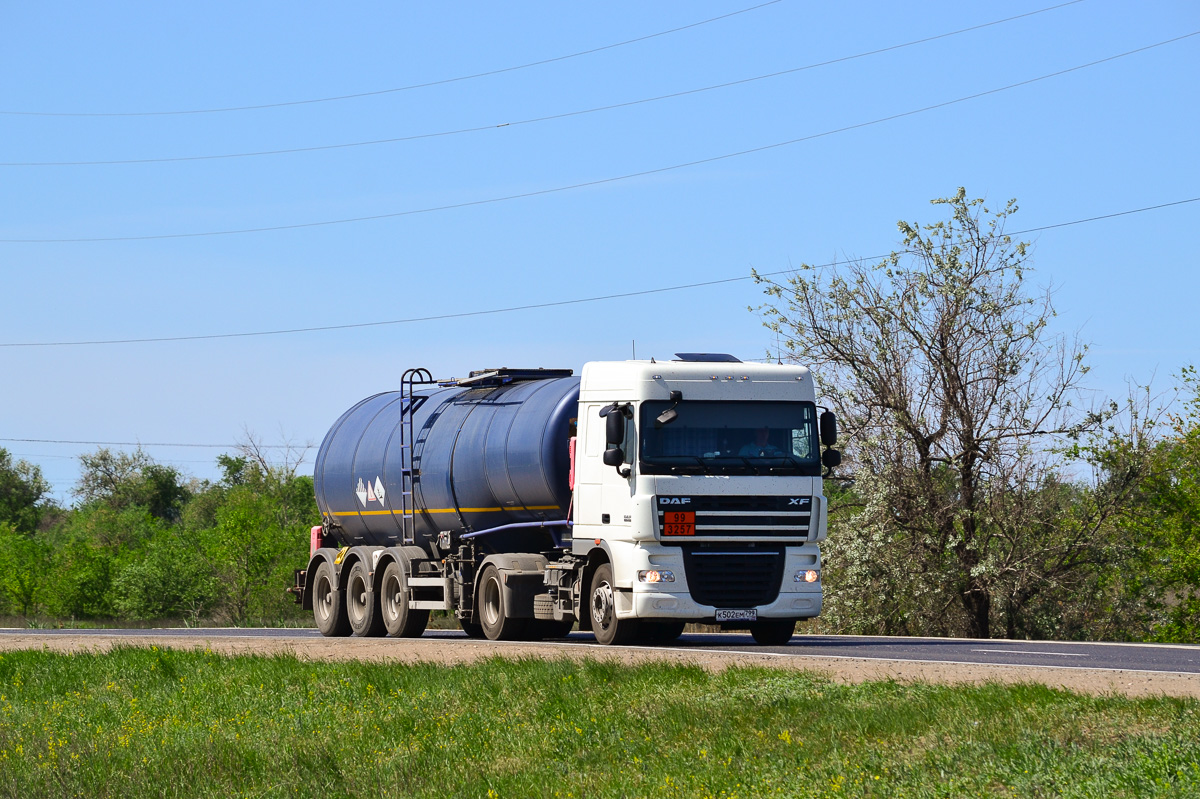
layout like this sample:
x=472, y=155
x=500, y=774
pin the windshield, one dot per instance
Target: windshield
x=730, y=438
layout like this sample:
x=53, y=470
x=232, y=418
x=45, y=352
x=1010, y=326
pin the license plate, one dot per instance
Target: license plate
x=737, y=614
x=679, y=522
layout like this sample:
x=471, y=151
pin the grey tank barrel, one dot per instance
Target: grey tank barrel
x=485, y=455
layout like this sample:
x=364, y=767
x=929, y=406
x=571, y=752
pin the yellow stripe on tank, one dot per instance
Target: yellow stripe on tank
x=439, y=510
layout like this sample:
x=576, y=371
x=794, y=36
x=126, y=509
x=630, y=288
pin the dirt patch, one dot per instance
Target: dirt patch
x=440, y=650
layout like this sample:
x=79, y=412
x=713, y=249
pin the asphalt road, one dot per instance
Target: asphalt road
x=1178, y=659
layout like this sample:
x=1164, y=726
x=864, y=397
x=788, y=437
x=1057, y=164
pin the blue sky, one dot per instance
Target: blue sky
x=1112, y=137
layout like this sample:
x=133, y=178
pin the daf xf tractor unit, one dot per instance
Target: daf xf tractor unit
x=630, y=500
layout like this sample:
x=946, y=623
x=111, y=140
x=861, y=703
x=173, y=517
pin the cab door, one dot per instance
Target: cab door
x=604, y=497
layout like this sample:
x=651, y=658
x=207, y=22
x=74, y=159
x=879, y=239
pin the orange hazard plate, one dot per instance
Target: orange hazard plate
x=679, y=522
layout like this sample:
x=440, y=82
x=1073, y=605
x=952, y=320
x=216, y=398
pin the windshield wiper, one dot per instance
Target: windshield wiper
x=745, y=460
x=696, y=459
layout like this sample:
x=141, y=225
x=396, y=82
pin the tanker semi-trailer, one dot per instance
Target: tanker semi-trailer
x=632, y=499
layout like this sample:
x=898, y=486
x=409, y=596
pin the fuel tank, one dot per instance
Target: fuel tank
x=485, y=454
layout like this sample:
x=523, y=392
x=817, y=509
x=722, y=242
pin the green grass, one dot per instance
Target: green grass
x=148, y=722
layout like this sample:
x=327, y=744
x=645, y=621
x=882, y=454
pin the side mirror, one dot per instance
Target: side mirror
x=830, y=459
x=613, y=456
x=828, y=428
x=614, y=429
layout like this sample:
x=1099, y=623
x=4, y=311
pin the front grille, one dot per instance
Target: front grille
x=741, y=517
x=733, y=577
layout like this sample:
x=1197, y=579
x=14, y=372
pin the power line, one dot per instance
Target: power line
x=514, y=308
x=410, y=87
x=600, y=181
x=43, y=456
x=140, y=443
x=532, y=120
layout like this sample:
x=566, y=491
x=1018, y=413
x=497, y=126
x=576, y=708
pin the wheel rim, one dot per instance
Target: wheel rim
x=602, y=605
x=391, y=597
x=491, y=602
x=323, y=601
x=358, y=598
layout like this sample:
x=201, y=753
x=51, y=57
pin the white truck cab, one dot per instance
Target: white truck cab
x=699, y=481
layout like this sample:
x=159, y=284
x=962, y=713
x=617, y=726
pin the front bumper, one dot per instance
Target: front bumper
x=680, y=606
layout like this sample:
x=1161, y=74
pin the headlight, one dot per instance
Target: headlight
x=807, y=576
x=655, y=576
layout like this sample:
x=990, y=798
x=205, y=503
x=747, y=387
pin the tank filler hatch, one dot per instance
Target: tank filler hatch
x=503, y=376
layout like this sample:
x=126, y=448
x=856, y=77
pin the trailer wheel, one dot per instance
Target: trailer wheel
x=399, y=619
x=773, y=632
x=329, y=607
x=492, y=613
x=362, y=604
x=602, y=606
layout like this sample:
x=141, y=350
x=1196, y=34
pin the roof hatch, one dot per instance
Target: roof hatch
x=706, y=357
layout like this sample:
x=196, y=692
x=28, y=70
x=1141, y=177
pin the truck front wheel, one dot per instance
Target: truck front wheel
x=661, y=632
x=491, y=611
x=400, y=620
x=329, y=607
x=773, y=632
x=602, y=605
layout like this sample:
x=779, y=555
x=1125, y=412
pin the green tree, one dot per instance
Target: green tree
x=24, y=562
x=260, y=533
x=123, y=480
x=954, y=393
x=79, y=582
x=1167, y=520
x=23, y=493
x=168, y=579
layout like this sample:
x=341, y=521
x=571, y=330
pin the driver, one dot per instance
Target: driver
x=761, y=445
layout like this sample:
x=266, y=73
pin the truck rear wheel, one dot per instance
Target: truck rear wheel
x=399, y=619
x=602, y=605
x=471, y=628
x=773, y=632
x=329, y=607
x=491, y=612
x=362, y=604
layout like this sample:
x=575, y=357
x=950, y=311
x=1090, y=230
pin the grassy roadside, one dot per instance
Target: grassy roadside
x=148, y=722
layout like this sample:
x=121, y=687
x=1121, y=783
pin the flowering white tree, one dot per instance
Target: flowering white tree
x=954, y=393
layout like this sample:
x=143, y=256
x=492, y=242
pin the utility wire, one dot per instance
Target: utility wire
x=410, y=87
x=601, y=181
x=76, y=457
x=532, y=120
x=514, y=308
x=133, y=443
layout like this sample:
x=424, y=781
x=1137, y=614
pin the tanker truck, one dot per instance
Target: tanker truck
x=629, y=500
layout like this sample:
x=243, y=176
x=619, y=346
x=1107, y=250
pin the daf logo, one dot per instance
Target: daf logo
x=674, y=500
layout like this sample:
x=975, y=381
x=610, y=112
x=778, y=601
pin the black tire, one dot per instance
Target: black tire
x=608, y=628
x=329, y=607
x=661, y=632
x=490, y=610
x=399, y=619
x=547, y=628
x=471, y=628
x=362, y=603
x=773, y=632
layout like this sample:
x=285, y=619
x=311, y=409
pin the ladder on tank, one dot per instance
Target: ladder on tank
x=409, y=403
